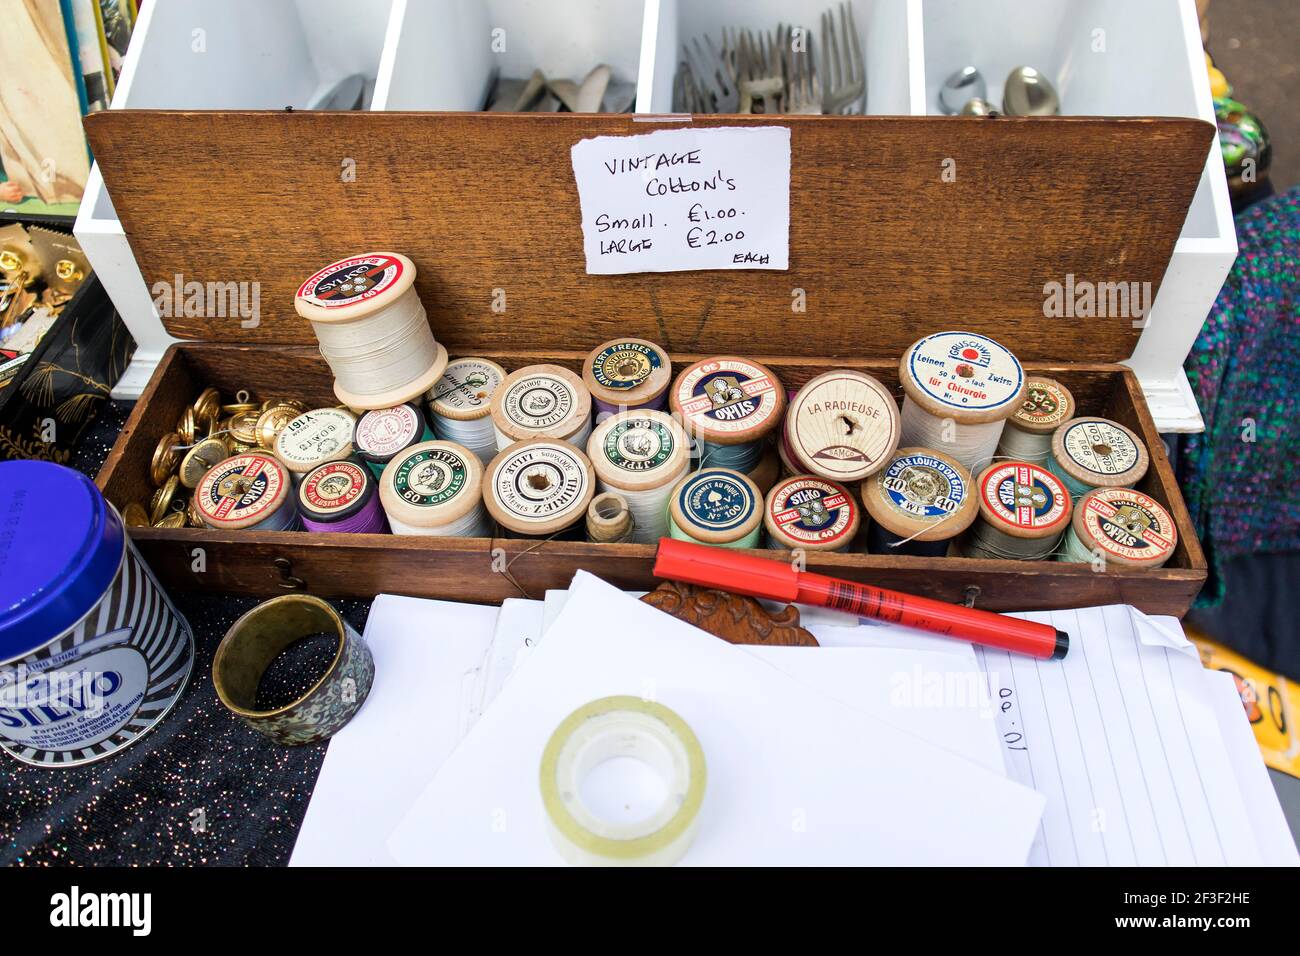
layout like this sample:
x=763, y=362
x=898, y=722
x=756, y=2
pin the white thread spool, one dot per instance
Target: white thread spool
x=460, y=405
x=1120, y=526
x=959, y=389
x=810, y=513
x=1093, y=452
x=1028, y=434
x=1024, y=509
x=641, y=455
x=435, y=488
x=541, y=401
x=372, y=330
x=843, y=426
x=538, y=488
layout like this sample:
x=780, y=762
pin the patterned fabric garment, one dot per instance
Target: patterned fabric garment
x=1241, y=477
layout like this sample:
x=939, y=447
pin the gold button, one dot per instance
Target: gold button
x=200, y=459
x=161, y=501
x=166, y=455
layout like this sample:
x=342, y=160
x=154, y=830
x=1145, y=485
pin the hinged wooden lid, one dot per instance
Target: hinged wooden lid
x=899, y=226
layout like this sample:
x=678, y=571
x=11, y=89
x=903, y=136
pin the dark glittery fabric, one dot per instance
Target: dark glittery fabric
x=201, y=788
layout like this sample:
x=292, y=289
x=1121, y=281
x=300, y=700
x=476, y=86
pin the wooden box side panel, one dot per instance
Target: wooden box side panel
x=900, y=226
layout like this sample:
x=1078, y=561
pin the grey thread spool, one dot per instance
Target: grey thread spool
x=609, y=521
x=1028, y=432
x=1091, y=452
x=541, y=401
x=729, y=405
x=1024, y=509
x=1120, y=526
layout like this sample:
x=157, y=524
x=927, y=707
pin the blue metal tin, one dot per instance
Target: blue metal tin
x=92, y=652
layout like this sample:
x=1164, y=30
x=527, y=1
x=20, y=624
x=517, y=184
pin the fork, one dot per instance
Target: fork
x=759, y=67
x=842, y=67
x=803, y=88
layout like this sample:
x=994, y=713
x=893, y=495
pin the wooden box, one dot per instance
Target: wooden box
x=884, y=247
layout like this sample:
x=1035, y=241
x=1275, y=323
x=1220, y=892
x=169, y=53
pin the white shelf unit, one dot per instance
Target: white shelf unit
x=444, y=54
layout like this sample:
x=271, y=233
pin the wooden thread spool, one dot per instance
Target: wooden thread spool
x=314, y=438
x=539, y=488
x=541, y=401
x=843, y=425
x=435, y=488
x=1023, y=508
x=384, y=432
x=372, y=329
x=1095, y=452
x=1120, y=526
x=728, y=405
x=959, y=389
x=765, y=475
x=626, y=374
x=810, y=513
x=247, y=492
x=716, y=506
x=1028, y=432
x=919, y=502
x=609, y=520
x=341, y=497
x=460, y=405
x=641, y=455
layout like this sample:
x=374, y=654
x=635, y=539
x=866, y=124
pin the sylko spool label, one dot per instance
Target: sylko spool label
x=812, y=511
x=350, y=281
x=430, y=477
x=728, y=396
x=638, y=444
x=714, y=501
x=540, y=481
x=539, y=402
x=1128, y=524
x=1100, y=447
x=624, y=365
x=1025, y=496
x=965, y=370
x=923, y=487
x=241, y=488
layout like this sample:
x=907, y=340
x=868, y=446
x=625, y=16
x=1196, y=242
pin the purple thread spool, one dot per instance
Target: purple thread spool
x=626, y=374
x=341, y=497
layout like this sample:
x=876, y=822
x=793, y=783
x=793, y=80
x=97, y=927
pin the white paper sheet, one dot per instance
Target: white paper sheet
x=1122, y=739
x=795, y=777
x=427, y=655
x=1276, y=844
x=686, y=198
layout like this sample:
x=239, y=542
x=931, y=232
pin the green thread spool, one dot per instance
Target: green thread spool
x=716, y=506
x=1093, y=452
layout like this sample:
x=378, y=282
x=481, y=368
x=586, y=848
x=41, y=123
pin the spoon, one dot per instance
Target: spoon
x=960, y=88
x=1028, y=93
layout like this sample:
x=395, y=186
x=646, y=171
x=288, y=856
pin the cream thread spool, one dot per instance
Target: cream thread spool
x=810, y=513
x=609, y=520
x=314, y=438
x=460, y=405
x=729, y=405
x=1095, y=452
x=539, y=488
x=919, y=502
x=959, y=389
x=1024, y=509
x=372, y=329
x=435, y=488
x=843, y=426
x=641, y=455
x=716, y=506
x=1028, y=432
x=625, y=375
x=250, y=492
x=541, y=401
x=383, y=433
x=1120, y=526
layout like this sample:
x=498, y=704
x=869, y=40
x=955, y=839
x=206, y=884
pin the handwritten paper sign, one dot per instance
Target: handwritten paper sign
x=682, y=199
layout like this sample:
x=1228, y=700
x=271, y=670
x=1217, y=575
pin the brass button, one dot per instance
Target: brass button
x=207, y=407
x=188, y=427
x=272, y=421
x=161, y=501
x=166, y=455
x=200, y=459
x=173, y=519
x=243, y=426
x=135, y=516
x=290, y=402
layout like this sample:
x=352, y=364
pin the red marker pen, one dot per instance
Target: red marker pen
x=741, y=573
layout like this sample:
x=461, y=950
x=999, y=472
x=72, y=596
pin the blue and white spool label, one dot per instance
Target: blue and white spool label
x=965, y=370
x=923, y=487
x=716, y=501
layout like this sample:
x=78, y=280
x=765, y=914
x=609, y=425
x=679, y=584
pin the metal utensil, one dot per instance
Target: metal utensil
x=592, y=90
x=960, y=88
x=843, y=70
x=1028, y=93
x=978, y=106
x=804, y=89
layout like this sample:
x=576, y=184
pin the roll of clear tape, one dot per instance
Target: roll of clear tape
x=622, y=727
